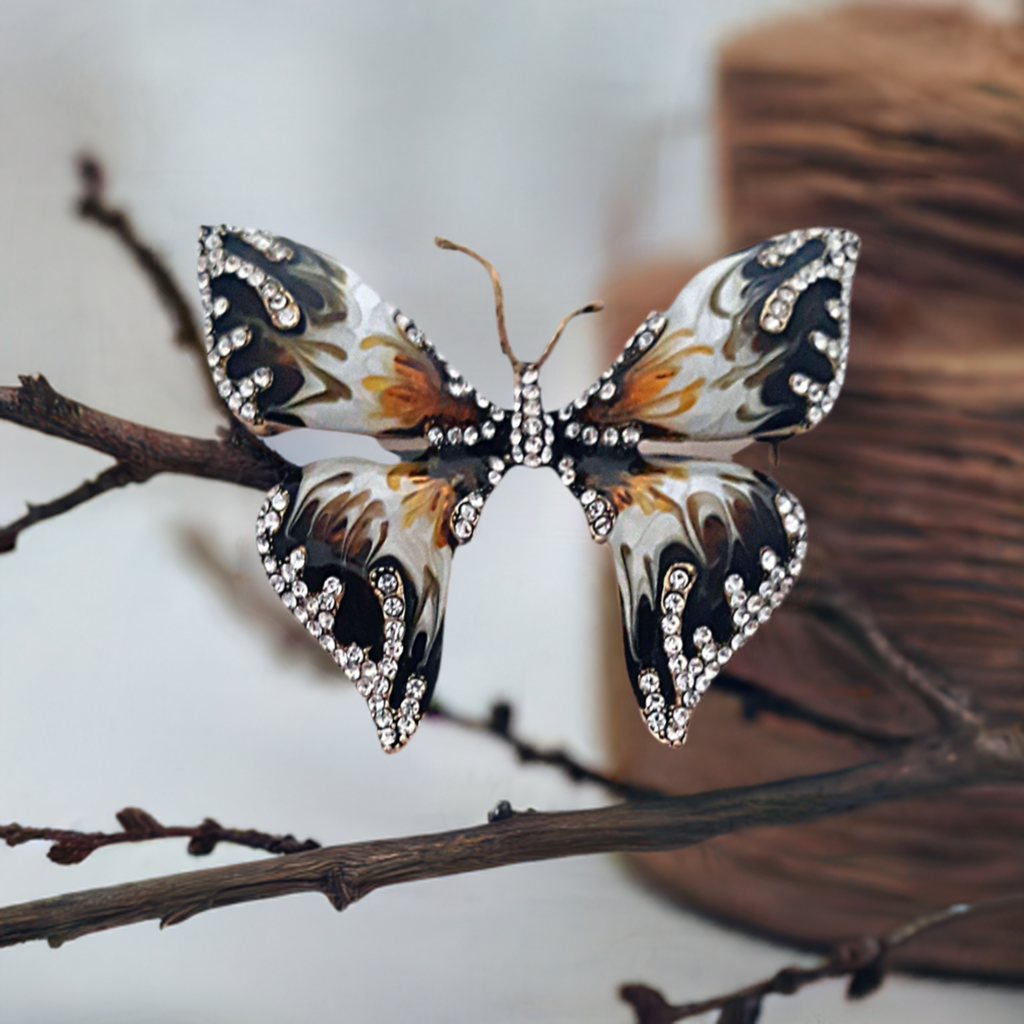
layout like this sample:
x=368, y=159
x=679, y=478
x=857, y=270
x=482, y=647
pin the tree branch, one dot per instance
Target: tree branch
x=137, y=826
x=347, y=873
x=863, y=960
x=93, y=205
x=139, y=452
x=845, y=614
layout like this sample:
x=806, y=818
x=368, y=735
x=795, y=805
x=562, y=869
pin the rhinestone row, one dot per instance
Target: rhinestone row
x=691, y=677
x=532, y=429
x=604, y=388
x=375, y=680
x=281, y=307
x=315, y=611
x=240, y=395
x=465, y=516
x=600, y=514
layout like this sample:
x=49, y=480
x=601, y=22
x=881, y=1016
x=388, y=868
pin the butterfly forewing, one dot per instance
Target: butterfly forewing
x=704, y=552
x=753, y=347
x=297, y=340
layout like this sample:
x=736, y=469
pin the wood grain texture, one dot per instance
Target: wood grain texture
x=906, y=125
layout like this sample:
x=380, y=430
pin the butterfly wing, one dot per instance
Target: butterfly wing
x=360, y=553
x=294, y=339
x=755, y=346
x=704, y=552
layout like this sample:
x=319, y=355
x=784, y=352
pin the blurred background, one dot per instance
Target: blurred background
x=571, y=143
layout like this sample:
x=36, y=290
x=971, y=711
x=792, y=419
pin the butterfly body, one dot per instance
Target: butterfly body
x=753, y=349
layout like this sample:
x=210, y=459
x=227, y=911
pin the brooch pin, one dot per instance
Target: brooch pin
x=753, y=349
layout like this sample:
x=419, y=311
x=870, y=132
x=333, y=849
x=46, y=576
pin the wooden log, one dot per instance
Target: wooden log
x=906, y=125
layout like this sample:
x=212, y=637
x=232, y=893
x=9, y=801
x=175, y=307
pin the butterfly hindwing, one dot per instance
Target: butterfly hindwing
x=297, y=340
x=753, y=347
x=704, y=552
x=360, y=553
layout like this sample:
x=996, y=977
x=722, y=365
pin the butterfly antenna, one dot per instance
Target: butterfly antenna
x=590, y=307
x=499, y=297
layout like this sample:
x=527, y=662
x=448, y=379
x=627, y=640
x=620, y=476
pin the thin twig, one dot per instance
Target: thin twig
x=499, y=724
x=137, y=826
x=346, y=873
x=139, y=452
x=93, y=205
x=844, y=613
x=862, y=960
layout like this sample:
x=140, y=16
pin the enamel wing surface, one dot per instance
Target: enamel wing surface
x=754, y=348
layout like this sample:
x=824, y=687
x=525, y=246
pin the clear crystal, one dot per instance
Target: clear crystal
x=702, y=636
x=678, y=579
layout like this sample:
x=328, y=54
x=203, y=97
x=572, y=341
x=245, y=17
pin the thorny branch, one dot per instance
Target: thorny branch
x=137, y=826
x=862, y=960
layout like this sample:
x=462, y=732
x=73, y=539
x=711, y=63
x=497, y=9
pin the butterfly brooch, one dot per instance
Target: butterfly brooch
x=753, y=349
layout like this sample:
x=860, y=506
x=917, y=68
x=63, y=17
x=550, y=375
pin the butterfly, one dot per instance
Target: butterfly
x=754, y=348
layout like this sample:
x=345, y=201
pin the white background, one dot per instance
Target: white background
x=559, y=139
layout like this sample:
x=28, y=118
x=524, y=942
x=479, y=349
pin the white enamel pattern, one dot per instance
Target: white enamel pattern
x=753, y=349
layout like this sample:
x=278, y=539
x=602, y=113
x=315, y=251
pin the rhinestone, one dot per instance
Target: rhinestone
x=332, y=585
x=801, y=549
x=799, y=383
x=610, y=436
x=673, y=602
x=565, y=463
x=299, y=589
x=734, y=583
x=750, y=628
x=754, y=603
x=277, y=582
x=262, y=545
x=791, y=523
x=764, y=614
x=314, y=627
x=654, y=702
x=783, y=504
x=327, y=642
x=416, y=688
x=588, y=497
x=279, y=500
x=607, y=391
x=476, y=499
x=498, y=415
x=470, y=436
x=387, y=737
x=297, y=557
x=532, y=461
x=326, y=620
x=670, y=624
x=270, y=564
x=235, y=401
x=288, y=571
x=531, y=391
x=387, y=583
x=262, y=377
x=678, y=579
x=769, y=559
x=765, y=590
x=631, y=435
x=533, y=445
x=702, y=636
x=455, y=435
x=772, y=324
x=273, y=521
x=487, y=430
x=673, y=645
x=649, y=683
x=497, y=464
x=494, y=478
x=435, y=436
x=815, y=415
x=463, y=529
x=646, y=340
x=573, y=430
x=393, y=607
x=467, y=511
x=819, y=340
x=590, y=435
x=656, y=722
x=389, y=668
x=225, y=388
x=289, y=599
x=834, y=308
